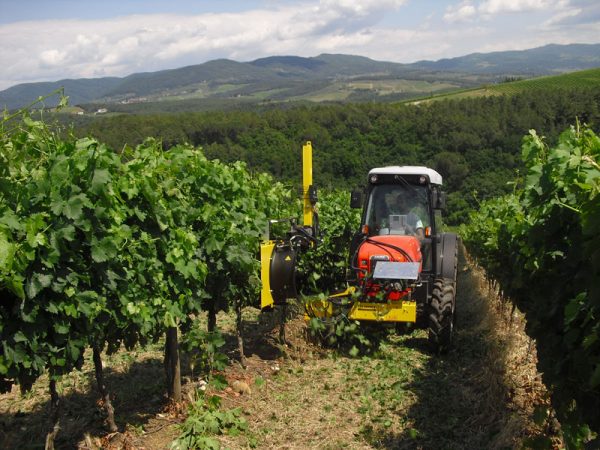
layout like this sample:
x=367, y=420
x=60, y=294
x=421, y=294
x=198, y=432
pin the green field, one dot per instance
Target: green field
x=574, y=80
x=581, y=79
x=343, y=90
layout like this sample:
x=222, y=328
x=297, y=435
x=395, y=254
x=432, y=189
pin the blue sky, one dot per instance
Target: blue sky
x=47, y=40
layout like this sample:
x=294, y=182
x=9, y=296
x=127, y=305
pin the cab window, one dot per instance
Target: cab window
x=387, y=202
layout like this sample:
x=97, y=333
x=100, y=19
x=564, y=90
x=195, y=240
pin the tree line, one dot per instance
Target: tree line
x=473, y=142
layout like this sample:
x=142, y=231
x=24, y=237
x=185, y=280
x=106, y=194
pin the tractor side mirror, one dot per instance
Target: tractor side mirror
x=439, y=200
x=356, y=199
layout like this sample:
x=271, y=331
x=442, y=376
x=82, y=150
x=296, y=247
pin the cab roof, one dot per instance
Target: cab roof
x=434, y=177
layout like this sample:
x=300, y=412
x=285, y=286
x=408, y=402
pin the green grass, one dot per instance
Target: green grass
x=342, y=90
x=575, y=80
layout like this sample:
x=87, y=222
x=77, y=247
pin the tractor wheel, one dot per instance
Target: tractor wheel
x=441, y=315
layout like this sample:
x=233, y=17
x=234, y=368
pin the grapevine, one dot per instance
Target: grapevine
x=100, y=250
x=541, y=245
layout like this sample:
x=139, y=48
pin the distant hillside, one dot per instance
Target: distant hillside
x=219, y=71
x=328, y=66
x=547, y=60
x=81, y=90
x=574, y=80
x=290, y=65
x=326, y=77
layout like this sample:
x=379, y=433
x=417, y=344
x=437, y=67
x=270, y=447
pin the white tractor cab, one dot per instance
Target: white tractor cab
x=400, y=208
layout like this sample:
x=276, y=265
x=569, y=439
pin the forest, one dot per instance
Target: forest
x=473, y=142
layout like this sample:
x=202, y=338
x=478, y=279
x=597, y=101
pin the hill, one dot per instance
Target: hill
x=546, y=60
x=574, y=80
x=327, y=77
x=83, y=90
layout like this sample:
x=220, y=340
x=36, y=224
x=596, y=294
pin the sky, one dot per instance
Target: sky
x=49, y=40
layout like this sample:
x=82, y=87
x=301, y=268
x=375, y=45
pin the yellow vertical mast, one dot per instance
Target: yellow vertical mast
x=307, y=181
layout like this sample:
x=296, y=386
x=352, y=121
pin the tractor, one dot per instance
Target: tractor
x=402, y=267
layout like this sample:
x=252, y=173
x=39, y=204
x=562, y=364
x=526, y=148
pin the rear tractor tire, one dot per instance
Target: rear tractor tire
x=441, y=315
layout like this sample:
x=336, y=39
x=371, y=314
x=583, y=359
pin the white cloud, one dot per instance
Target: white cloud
x=562, y=16
x=502, y=6
x=68, y=48
x=543, y=17
x=57, y=49
x=468, y=10
x=52, y=57
x=357, y=7
x=461, y=12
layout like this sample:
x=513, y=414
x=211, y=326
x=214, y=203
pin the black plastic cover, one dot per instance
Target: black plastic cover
x=283, y=274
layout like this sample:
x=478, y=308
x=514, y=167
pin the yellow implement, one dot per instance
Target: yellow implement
x=307, y=182
x=396, y=311
x=278, y=257
x=266, y=297
x=400, y=311
x=327, y=307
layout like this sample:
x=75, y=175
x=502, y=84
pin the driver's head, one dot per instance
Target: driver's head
x=402, y=202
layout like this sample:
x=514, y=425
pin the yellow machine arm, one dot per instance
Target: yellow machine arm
x=278, y=257
x=308, y=192
x=266, y=296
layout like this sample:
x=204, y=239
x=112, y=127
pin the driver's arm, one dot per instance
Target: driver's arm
x=419, y=230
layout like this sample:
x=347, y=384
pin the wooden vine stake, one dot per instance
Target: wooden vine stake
x=110, y=412
x=240, y=336
x=212, y=318
x=172, y=365
x=54, y=416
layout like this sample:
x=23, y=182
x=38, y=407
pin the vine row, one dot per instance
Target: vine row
x=542, y=245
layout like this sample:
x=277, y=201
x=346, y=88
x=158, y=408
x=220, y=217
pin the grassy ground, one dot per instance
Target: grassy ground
x=574, y=80
x=483, y=394
x=340, y=91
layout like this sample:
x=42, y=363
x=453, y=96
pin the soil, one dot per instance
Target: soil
x=484, y=393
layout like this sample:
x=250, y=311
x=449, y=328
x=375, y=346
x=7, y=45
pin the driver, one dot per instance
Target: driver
x=405, y=205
